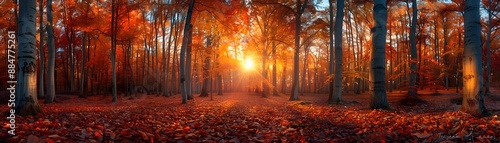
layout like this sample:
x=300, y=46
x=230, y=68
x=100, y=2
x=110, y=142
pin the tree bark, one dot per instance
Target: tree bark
x=219, y=84
x=359, y=63
x=339, y=20
x=264, y=71
x=473, y=100
x=41, y=74
x=298, y=23
x=71, y=62
x=164, y=56
x=155, y=64
x=114, y=11
x=51, y=92
x=182, y=61
x=206, y=78
x=82, y=75
x=412, y=89
x=206, y=75
x=283, y=79
x=169, y=46
x=445, y=49
x=378, y=98
x=331, y=64
x=26, y=94
x=189, y=89
x=173, y=88
x=488, y=52
x=304, y=70
x=275, y=81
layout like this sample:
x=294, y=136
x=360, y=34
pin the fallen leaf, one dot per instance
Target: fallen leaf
x=421, y=135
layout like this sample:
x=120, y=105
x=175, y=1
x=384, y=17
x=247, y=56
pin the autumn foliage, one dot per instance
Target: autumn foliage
x=146, y=38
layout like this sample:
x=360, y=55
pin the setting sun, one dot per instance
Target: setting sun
x=248, y=64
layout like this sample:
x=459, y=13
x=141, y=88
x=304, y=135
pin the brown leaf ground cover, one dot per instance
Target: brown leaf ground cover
x=247, y=117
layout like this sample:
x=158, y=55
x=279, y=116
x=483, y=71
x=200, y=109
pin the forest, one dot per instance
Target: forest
x=250, y=71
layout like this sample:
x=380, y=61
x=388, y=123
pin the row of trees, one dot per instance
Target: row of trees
x=169, y=47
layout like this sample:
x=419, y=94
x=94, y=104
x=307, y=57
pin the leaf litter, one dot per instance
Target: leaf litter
x=245, y=118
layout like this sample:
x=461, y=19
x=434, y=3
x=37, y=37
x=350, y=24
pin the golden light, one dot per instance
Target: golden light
x=248, y=64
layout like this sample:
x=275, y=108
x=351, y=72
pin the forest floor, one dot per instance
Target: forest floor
x=247, y=117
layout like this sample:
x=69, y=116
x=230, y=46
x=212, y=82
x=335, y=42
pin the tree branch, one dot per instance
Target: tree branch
x=275, y=3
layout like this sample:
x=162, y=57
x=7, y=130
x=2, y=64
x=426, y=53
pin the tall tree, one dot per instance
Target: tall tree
x=51, y=89
x=114, y=12
x=378, y=98
x=41, y=73
x=189, y=53
x=156, y=63
x=274, y=72
x=82, y=77
x=490, y=6
x=295, y=80
x=206, y=74
x=473, y=97
x=412, y=89
x=185, y=39
x=339, y=20
x=167, y=62
x=331, y=64
x=164, y=81
x=26, y=94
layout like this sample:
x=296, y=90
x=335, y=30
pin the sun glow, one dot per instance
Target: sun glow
x=248, y=63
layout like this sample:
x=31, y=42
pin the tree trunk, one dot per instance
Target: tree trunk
x=114, y=11
x=197, y=83
x=82, y=80
x=27, y=102
x=136, y=73
x=264, y=72
x=92, y=71
x=206, y=78
x=391, y=63
x=339, y=20
x=354, y=64
x=219, y=84
x=275, y=81
x=331, y=64
x=144, y=66
x=41, y=74
x=126, y=56
x=304, y=70
x=164, y=57
x=412, y=89
x=359, y=63
x=173, y=88
x=169, y=46
x=155, y=64
x=378, y=99
x=298, y=23
x=129, y=67
x=488, y=52
x=283, y=79
x=182, y=61
x=71, y=62
x=206, y=75
x=436, y=57
x=473, y=100
x=445, y=57
x=51, y=92
x=189, y=89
